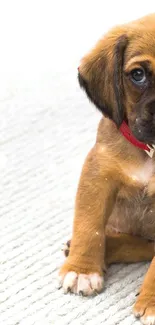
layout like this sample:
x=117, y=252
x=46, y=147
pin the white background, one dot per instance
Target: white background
x=45, y=36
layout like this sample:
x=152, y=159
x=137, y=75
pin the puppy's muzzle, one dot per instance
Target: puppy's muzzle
x=144, y=125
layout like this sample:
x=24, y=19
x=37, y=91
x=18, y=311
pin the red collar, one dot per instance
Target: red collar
x=130, y=137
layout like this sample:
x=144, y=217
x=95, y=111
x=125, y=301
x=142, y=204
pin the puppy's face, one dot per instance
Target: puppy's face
x=118, y=75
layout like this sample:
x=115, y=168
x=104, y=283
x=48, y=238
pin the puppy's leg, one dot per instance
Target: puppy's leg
x=144, y=307
x=124, y=248
x=82, y=271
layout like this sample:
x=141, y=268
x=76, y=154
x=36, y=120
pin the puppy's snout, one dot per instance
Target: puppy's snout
x=139, y=128
x=144, y=127
x=138, y=120
x=151, y=108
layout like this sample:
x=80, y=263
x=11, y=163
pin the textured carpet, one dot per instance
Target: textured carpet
x=47, y=127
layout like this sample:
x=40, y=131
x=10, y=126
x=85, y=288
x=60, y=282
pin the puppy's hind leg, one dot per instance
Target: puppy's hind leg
x=124, y=248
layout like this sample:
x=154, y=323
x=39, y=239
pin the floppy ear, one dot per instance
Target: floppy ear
x=100, y=74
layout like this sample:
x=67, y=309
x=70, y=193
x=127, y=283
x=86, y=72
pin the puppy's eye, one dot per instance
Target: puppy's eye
x=138, y=76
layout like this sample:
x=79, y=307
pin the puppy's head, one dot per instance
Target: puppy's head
x=118, y=75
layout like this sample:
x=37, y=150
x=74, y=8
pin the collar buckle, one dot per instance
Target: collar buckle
x=151, y=150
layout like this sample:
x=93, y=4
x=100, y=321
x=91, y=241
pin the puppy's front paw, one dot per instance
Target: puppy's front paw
x=76, y=281
x=144, y=309
x=82, y=284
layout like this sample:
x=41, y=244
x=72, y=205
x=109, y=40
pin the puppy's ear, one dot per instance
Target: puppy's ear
x=100, y=74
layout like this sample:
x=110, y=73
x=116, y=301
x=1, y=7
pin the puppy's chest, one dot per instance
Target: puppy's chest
x=139, y=187
x=136, y=201
x=142, y=175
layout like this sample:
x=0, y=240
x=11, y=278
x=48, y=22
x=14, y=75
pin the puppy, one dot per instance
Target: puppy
x=115, y=203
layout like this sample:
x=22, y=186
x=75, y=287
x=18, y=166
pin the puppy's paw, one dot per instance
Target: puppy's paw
x=144, y=309
x=80, y=280
x=82, y=284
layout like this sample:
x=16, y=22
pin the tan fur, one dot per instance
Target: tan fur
x=123, y=248
x=145, y=304
x=116, y=192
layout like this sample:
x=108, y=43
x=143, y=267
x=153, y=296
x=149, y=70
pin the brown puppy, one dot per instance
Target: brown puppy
x=115, y=203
